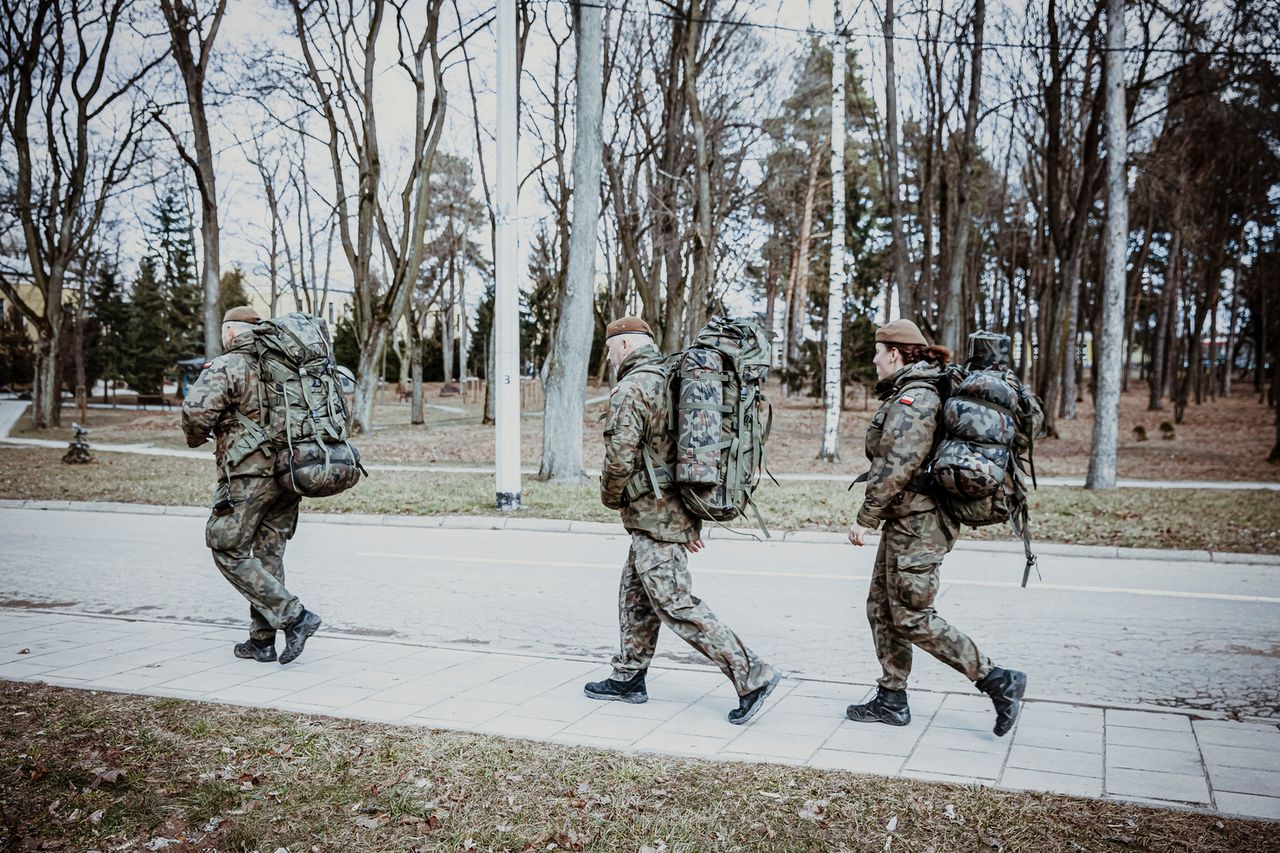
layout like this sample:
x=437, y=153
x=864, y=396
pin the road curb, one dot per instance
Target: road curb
x=597, y=528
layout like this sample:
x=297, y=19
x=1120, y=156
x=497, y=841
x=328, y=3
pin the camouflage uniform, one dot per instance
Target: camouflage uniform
x=917, y=533
x=656, y=587
x=248, y=544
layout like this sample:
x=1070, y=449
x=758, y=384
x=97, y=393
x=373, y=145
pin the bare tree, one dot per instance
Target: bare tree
x=186, y=24
x=567, y=374
x=339, y=49
x=73, y=128
x=833, y=386
x=892, y=146
x=952, y=327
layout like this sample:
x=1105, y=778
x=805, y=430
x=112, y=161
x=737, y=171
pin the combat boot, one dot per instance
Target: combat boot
x=750, y=705
x=612, y=690
x=888, y=706
x=295, y=636
x=263, y=651
x=1005, y=687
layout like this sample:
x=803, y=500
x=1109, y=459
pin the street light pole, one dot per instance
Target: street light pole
x=506, y=306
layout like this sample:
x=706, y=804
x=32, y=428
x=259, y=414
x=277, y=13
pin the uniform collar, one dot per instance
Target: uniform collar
x=889, y=386
x=646, y=354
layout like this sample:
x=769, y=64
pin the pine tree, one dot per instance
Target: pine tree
x=110, y=312
x=176, y=270
x=231, y=290
x=146, y=340
x=17, y=353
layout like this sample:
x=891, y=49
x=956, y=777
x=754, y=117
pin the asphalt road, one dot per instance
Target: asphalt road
x=1204, y=635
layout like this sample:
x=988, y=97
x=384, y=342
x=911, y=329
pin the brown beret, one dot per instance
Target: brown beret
x=627, y=326
x=900, y=332
x=241, y=314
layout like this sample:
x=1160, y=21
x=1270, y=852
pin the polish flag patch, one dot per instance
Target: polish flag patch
x=907, y=401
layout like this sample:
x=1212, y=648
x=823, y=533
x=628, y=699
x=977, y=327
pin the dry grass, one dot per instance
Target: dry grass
x=1226, y=439
x=86, y=771
x=1234, y=520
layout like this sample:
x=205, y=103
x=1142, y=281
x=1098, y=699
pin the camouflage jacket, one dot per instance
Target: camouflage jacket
x=900, y=441
x=638, y=413
x=228, y=384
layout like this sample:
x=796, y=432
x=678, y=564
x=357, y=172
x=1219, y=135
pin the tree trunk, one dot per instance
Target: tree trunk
x=368, y=377
x=1157, y=377
x=1229, y=367
x=567, y=377
x=798, y=305
x=1102, y=456
x=417, y=409
x=1071, y=353
x=901, y=277
x=832, y=396
x=183, y=23
x=949, y=334
x=703, y=240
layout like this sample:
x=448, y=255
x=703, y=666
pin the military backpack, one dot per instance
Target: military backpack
x=304, y=412
x=720, y=420
x=987, y=432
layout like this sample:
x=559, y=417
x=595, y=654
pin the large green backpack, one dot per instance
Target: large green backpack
x=987, y=431
x=304, y=413
x=720, y=420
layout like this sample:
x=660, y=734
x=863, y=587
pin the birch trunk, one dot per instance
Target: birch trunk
x=832, y=396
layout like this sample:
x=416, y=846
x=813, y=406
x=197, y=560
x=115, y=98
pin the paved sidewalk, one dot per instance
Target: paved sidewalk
x=1162, y=759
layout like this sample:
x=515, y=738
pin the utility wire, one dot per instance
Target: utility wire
x=812, y=31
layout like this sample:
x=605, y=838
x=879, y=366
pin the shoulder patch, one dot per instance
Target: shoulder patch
x=907, y=400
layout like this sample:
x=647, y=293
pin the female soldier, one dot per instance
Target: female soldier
x=917, y=534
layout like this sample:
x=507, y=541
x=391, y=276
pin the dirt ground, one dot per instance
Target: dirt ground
x=1225, y=439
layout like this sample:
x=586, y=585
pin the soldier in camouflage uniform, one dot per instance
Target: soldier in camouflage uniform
x=656, y=587
x=253, y=516
x=917, y=534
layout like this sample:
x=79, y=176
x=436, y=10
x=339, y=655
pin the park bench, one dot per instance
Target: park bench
x=161, y=400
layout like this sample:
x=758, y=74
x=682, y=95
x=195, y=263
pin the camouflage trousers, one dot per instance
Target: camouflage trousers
x=655, y=591
x=904, y=584
x=248, y=548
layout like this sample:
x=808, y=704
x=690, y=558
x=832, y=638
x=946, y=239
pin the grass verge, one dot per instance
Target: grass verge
x=91, y=771
x=1225, y=520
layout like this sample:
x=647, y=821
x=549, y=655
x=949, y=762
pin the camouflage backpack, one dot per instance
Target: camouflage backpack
x=988, y=428
x=720, y=420
x=305, y=414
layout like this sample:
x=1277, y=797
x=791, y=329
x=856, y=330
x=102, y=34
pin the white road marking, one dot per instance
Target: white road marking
x=566, y=564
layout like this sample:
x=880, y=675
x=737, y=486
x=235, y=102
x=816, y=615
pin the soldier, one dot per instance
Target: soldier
x=253, y=516
x=917, y=535
x=656, y=588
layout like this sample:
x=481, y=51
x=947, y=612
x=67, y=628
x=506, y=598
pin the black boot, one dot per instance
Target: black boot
x=263, y=651
x=1005, y=687
x=888, y=706
x=612, y=690
x=295, y=636
x=750, y=705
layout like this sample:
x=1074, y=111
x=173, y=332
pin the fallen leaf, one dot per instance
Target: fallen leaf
x=24, y=651
x=35, y=772
x=771, y=795
x=813, y=810
x=371, y=822
x=212, y=823
x=108, y=777
x=892, y=825
x=950, y=814
x=96, y=817
x=469, y=844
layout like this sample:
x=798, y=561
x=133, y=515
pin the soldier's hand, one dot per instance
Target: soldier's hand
x=695, y=546
x=857, y=534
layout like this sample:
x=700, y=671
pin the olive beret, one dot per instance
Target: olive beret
x=627, y=326
x=241, y=314
x=900, y=332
